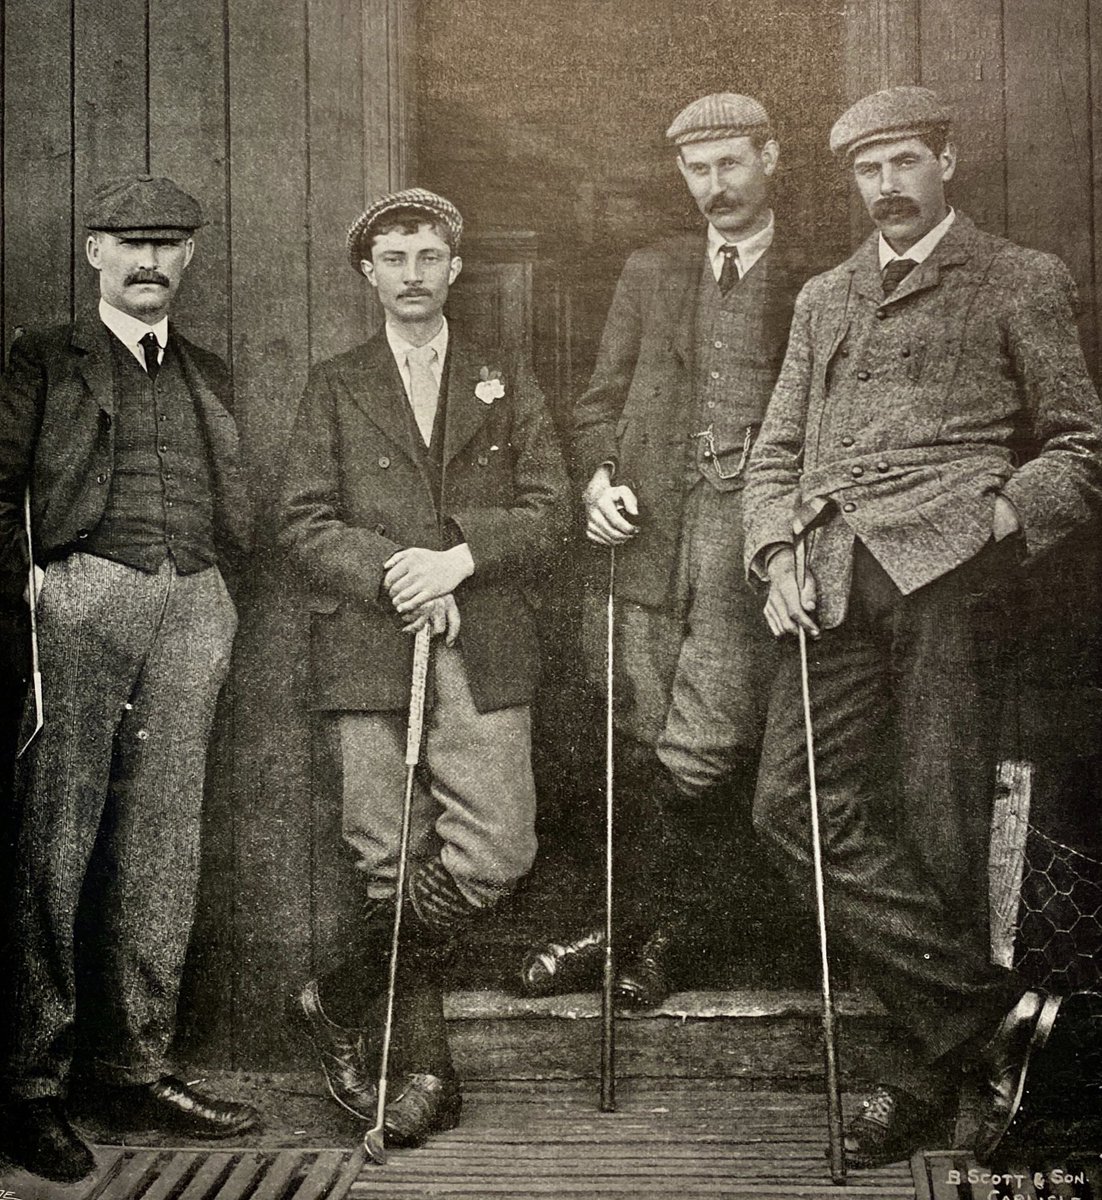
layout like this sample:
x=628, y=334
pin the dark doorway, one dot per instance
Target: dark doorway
x=545, y=123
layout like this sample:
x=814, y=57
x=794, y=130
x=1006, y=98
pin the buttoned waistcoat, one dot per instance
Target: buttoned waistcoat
x=911, y=413
x=638, y=411
x=358, y=488
x=57, y=433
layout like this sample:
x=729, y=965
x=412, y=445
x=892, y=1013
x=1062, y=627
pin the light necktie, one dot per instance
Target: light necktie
x=423, y=388
x=150, y=350
x=728, y=276
x=895, y=272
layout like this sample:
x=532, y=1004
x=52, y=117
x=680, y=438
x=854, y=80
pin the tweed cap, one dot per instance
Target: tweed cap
x=896, y=112
x=143, y=205
x=721, y=115
x=441, y=209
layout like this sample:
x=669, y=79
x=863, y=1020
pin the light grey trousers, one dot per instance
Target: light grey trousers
x=132, y=664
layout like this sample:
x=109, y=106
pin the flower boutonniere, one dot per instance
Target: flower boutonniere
x=489, y=386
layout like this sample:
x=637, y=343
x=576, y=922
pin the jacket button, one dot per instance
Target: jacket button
x=847, y=440
x=857, y=472
x=849, y=506
x=905, y=352
x=380, y=530
x=384, y=462
x=844, y=352
x=102, y=477
x=882, y=467
x=482, y=460
x=82, y=534
x=864, y=376
x=881, y=314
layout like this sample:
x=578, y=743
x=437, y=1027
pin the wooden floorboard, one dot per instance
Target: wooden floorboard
x=664, y=1142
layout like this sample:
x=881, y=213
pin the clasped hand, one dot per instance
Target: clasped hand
x=610, y=512
x=789, y=606
x=414, y=576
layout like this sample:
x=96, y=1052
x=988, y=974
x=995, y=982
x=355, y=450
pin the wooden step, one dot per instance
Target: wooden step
x=760, y=1037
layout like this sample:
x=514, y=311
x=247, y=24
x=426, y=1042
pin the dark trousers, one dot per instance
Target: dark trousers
x=112, y=788
x=904, y=700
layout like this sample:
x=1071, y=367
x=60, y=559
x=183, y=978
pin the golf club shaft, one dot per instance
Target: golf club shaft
x=608, y=1024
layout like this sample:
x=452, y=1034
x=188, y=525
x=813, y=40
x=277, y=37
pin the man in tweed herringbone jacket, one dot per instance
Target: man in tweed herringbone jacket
x=932, y=427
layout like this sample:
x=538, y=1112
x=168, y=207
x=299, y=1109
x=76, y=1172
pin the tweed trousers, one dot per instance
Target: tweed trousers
x=905, y=699
x=693, y=679
x=112, y=790
x=474, y=798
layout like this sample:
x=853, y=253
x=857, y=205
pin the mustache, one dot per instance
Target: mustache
x=147, y=277
x=722, y=204
x=894, y=206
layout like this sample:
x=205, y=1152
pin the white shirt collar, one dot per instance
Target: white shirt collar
x=400, y=347
x=750, y=249
x=923, y=248
x=130, y=331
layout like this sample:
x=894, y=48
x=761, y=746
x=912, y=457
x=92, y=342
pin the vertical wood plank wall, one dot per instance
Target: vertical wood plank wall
x=282, y=116
x=1025, y=79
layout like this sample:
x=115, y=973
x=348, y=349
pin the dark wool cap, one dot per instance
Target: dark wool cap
x=896, y=112
x=442, y=210
x=721, y=115
x=144, y=206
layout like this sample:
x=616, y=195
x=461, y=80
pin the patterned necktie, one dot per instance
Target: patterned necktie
x=895, y=272
x=150, y=347
x=728, y=277
x=423, y=388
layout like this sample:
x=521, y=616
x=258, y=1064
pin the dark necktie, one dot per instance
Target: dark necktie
x=728, y=277
x=150, y=348
x=895, y=272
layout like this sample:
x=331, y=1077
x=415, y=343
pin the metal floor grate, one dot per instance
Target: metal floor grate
x=139, y=1173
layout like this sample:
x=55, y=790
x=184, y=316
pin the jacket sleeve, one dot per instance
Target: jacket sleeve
x=776, y=462
x=335, y=558
x=518, y=536
x=22, y=398
x=600, y=406
x=1061, y=487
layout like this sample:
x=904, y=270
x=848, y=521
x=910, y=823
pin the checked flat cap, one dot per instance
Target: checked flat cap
x=895, y=112
x=145, y=206
x=438, y=207
x=720, y=115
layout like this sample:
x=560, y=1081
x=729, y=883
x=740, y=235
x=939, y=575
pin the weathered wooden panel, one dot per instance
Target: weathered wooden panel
x=882, y=45
x=187, y=141
x=962, y=61
x=269, y=264
x=37, y=151
x=110, y=108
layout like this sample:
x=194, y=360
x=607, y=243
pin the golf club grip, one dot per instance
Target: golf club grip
x=418, y=685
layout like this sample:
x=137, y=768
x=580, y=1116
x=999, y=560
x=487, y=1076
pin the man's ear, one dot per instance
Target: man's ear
x=368, y=271
x=948, y=159
x=770, y=156
x=189, y=250
x=454, y=268
x=91, y=251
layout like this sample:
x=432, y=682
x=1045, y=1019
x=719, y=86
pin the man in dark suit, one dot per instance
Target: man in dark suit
x=934, y=426
x=691, y=348
x=424, y=485
x=122, y=430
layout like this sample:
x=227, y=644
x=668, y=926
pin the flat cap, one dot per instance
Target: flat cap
x=721, y=115
x=145, y=205
x=437, y=207
x=896, y=112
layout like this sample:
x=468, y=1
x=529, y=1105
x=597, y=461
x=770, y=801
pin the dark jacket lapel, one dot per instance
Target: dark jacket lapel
x=375, y=385
x=92, y=340
x=686, y=262
x=465, y=413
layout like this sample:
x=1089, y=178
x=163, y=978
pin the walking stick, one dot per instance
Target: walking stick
x=608, y=1024
x=830, y=1047
x=32, y=602
x=373, y=1138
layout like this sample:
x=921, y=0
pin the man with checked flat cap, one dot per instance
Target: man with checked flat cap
x=691, y=348
x=933, y=429
x=122, y=430
x=424, y=485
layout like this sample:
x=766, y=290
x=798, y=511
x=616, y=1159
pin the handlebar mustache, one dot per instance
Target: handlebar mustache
x=147, y=277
